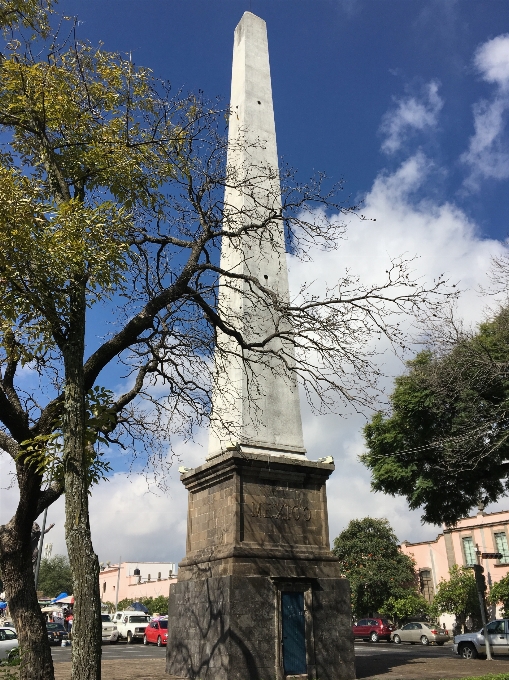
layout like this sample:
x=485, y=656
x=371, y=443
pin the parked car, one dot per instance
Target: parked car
x=8, y=643
x=56, y=633
x=470, y=645
x=109, y=629
x=424, y=633
x=131, y=624
x=156, y=633
x=373, y=629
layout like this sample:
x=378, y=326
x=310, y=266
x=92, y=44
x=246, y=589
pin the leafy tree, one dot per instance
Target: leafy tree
x=372, y=561
x=458, y=596
x=109, y=606
x=157, y=604
x=409, y=606
x=32, y=14
x=499, y=593
x=112, y=194
x=444, y=444
x=55, y=576
x=126, y=602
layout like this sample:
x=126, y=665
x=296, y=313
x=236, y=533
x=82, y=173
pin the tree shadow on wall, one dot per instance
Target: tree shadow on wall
x=203, y=646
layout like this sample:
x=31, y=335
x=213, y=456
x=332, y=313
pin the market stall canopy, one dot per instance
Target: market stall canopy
x=63, y=598
x=137, y=607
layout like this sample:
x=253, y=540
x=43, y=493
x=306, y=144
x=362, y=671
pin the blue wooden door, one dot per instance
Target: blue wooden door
x=294, y=634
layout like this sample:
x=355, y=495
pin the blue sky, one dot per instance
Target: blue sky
x=338, y=67
x=408, y=101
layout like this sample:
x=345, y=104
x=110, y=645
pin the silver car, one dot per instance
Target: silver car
x=8, y=643
x=422, y=633
x=109, y=629
x=470, y=645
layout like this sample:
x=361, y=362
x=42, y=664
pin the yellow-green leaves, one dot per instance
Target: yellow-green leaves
x=87, y=119
x=46, y=248
x=29, y=13
x=44, y=453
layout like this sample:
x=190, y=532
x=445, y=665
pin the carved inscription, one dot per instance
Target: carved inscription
x=280, y=511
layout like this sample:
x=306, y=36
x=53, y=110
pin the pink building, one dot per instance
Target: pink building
x=135, y=580
x=488, y=532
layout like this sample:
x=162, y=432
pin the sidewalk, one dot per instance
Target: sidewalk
x=429, y=668
x=367, y=669
x=148, y=669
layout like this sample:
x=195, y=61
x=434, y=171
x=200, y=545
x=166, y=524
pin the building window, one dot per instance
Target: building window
x=469, y=550
x=502, y=547
x=104, y=587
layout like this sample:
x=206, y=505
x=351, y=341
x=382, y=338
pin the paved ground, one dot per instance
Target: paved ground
x=374, y=662
x=119, y=651
x=409, y=662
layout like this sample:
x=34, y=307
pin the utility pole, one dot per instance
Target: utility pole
x=118, y=583
x=480, y=582
x=39, y=551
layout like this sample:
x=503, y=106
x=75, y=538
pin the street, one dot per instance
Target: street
x=367, y=650
x=419, y=662
x=119, y=651
x=373, y=662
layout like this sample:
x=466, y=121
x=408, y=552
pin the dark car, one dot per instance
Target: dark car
x=373, y=629
x=56, y=633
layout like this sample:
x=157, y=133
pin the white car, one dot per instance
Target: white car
x=109, y=629
x=131, y=624
x=8, y=643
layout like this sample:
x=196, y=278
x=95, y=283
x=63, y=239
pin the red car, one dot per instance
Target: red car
x=373, y=630
x=156, y=633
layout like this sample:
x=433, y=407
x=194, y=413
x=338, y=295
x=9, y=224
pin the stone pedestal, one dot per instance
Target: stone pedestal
x=257, y=539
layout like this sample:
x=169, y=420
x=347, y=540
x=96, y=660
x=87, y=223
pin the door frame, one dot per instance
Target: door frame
x=300, y=586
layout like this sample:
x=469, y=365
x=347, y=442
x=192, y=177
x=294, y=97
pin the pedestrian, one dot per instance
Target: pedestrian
x=69, y=624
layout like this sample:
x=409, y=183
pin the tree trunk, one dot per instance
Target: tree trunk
x=86, y=629
x=18, y=577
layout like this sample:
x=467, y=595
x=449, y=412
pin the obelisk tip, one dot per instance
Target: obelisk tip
x=250, y=17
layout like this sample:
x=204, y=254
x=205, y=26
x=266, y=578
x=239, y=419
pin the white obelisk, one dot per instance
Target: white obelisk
x=255, y=403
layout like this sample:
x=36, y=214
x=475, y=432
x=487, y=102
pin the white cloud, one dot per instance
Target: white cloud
x=488, y=153
x=492, y=60
x=129, y=516
x=446, y=241
x=410, y=115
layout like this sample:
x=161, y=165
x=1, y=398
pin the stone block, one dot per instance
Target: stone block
x=229, y=628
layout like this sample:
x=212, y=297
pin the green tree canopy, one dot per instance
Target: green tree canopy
x=55, y=576
x=499, y=593
x=154, y=605
x=409, y=606
x=458, y=596
x=372, y=561
x=444, y=444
